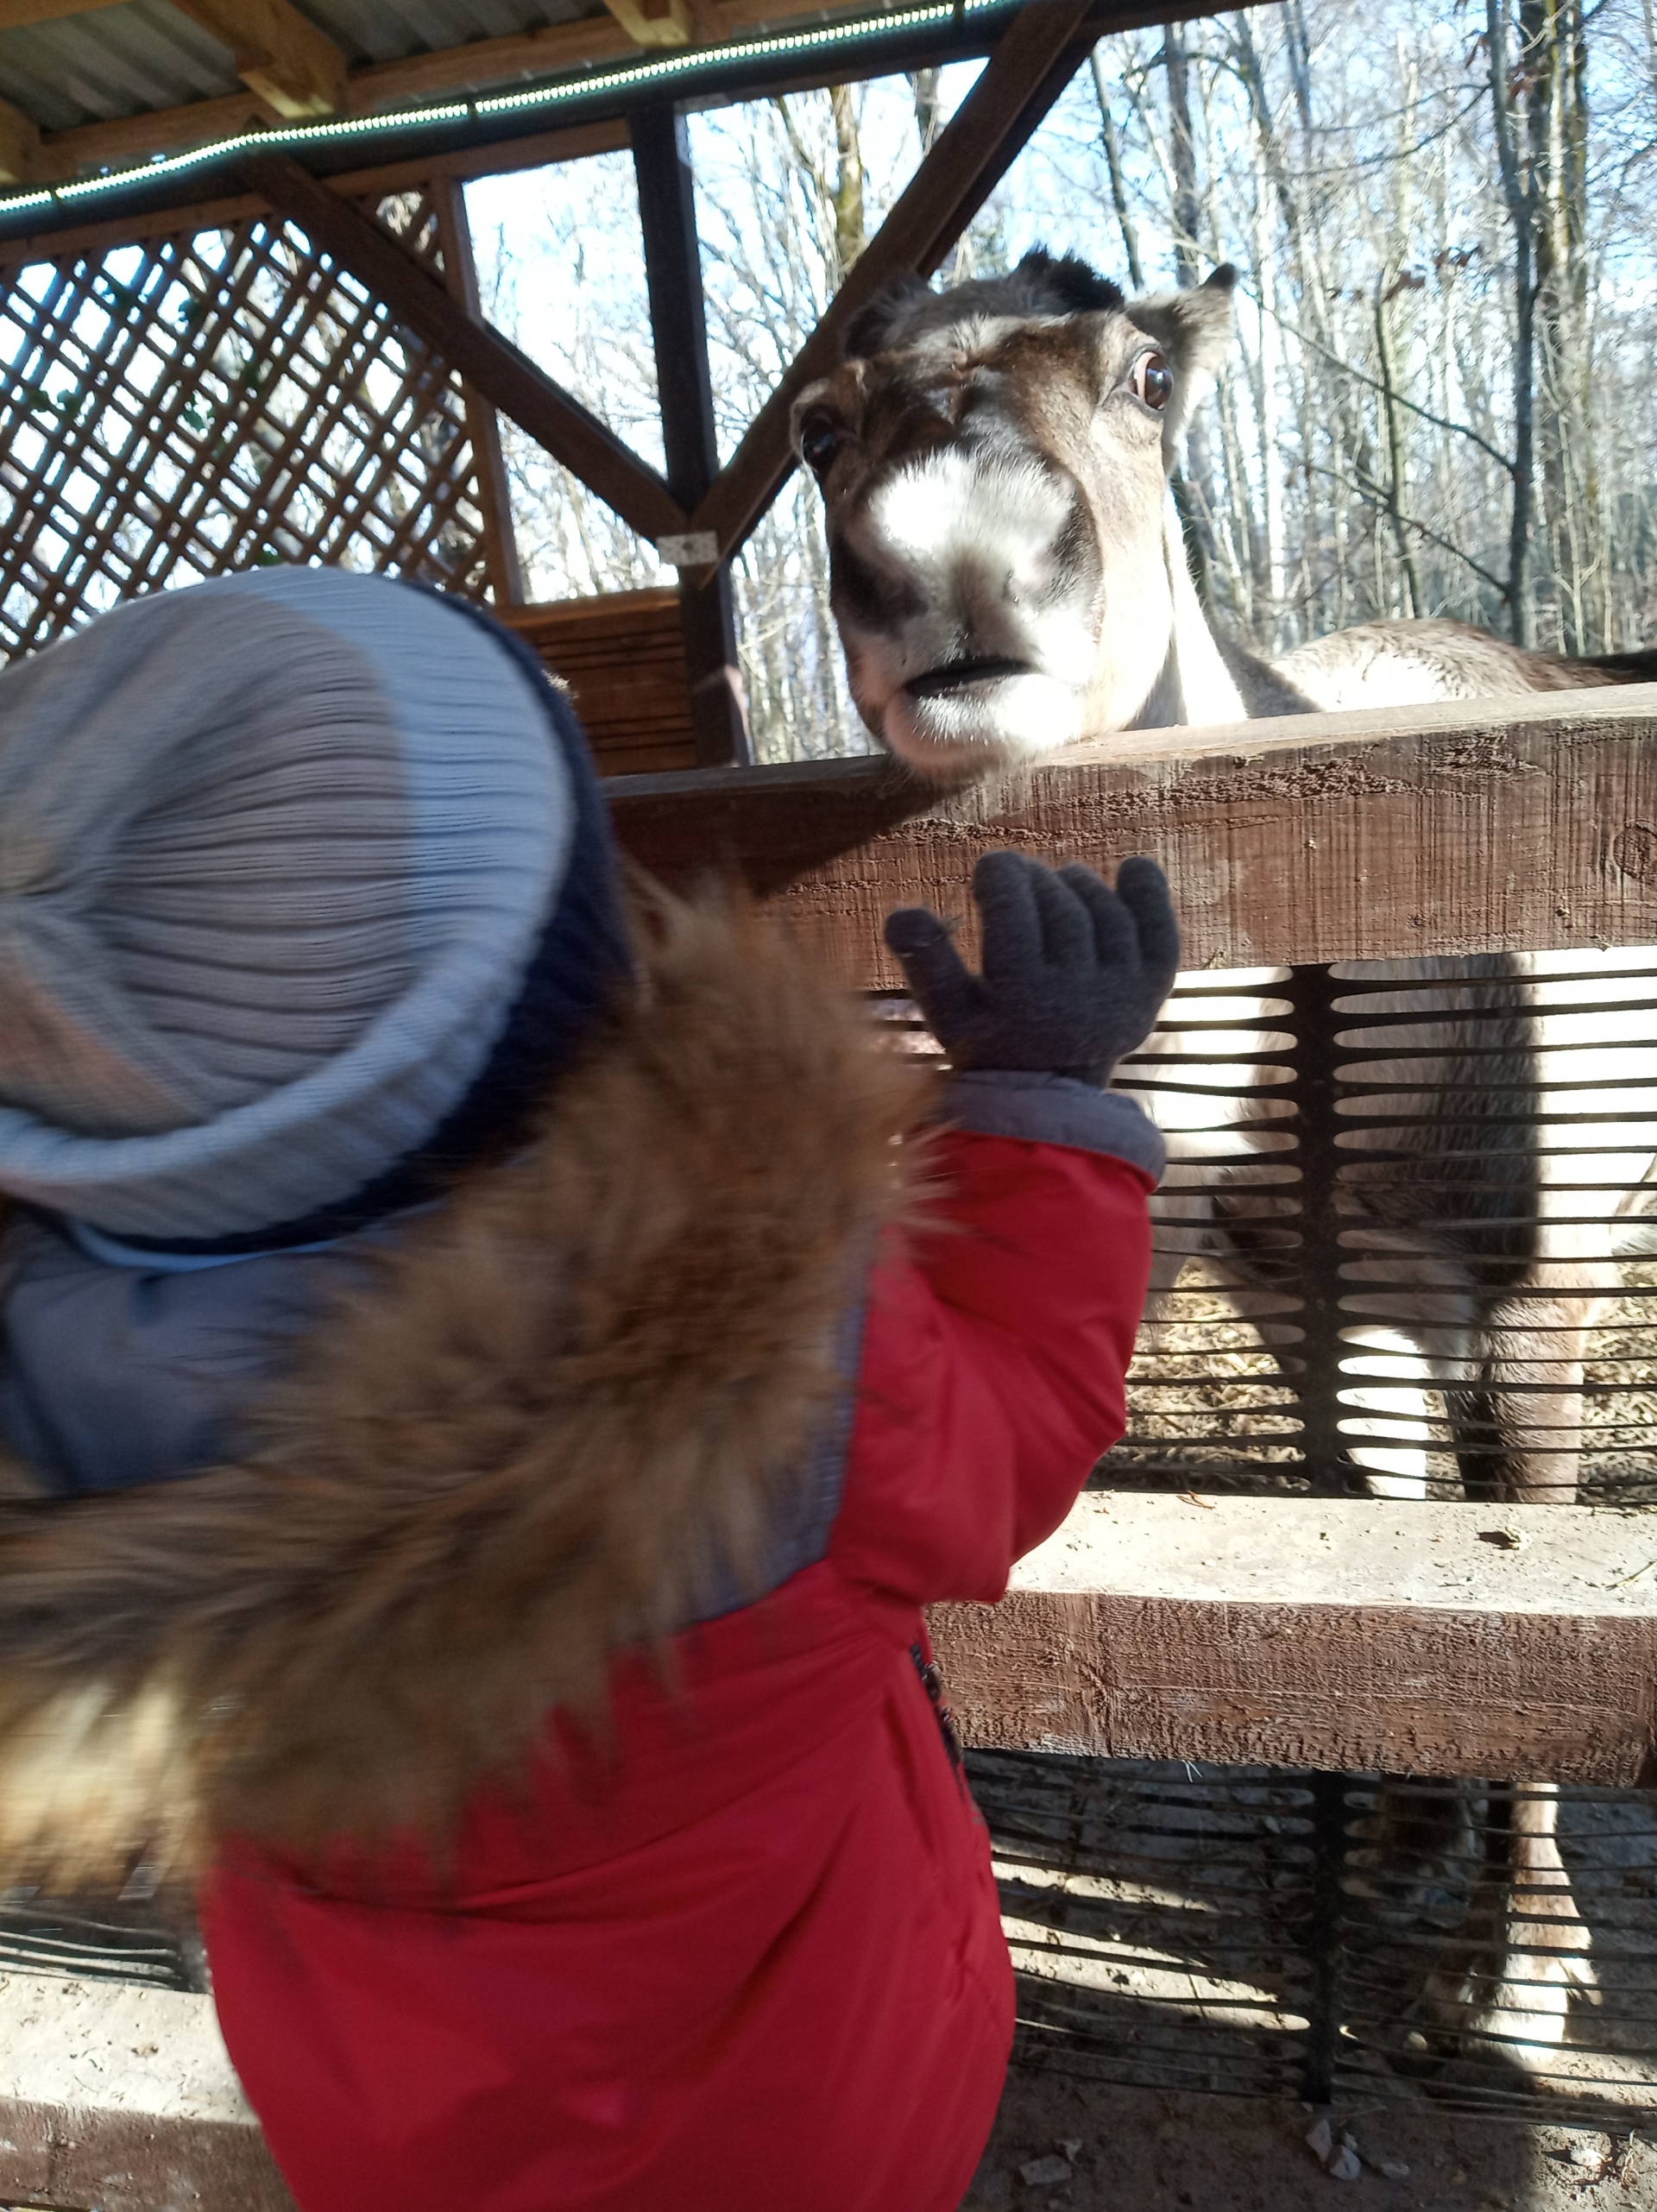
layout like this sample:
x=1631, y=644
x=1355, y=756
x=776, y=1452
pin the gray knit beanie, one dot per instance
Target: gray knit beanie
x=279, y=856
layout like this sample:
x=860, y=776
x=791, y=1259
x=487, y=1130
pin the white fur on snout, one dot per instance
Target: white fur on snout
x=977, y=540
x=953, y=507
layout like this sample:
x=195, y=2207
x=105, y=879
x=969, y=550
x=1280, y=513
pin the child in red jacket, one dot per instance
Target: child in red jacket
x=507, y=1590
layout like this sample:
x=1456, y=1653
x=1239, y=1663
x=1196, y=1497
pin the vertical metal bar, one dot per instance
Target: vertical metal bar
x=1328, y=1861
x=1311, y=992
x=483, y=426
x=678, y=322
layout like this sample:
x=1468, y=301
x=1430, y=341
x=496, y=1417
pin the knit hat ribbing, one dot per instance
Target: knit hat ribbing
x=276, y=855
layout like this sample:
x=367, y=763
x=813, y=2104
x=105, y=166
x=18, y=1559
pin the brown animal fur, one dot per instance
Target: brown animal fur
x=572, y=1393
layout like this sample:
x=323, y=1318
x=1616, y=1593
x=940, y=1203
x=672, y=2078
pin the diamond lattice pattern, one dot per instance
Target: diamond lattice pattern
x=218, y=399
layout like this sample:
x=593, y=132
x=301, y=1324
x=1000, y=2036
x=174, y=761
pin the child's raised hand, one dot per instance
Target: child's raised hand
x=1074, y=971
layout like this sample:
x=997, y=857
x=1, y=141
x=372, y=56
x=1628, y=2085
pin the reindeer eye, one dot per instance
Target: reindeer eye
x=1153, y=380
x=819, y=442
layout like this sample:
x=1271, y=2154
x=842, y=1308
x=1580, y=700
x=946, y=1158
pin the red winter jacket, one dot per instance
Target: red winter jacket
x=689, y=1402
x=747, y=1956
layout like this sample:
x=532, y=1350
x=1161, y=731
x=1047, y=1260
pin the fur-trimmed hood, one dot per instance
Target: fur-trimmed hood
x=570, y=1401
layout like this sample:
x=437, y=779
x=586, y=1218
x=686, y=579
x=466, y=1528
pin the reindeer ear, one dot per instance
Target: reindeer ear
x=1194, y=330
x=871, y=328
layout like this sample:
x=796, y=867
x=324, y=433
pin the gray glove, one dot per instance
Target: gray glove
x=1073, y=972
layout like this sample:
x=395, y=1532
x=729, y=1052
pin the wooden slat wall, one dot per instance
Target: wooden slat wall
x=622, y=656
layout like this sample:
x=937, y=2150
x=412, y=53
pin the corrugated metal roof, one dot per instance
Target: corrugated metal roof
x=144, y=54
x=385, y=30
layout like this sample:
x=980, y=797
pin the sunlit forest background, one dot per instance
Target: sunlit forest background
x=1443, y=396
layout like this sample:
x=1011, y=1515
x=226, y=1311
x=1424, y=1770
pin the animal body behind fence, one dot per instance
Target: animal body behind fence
x=1008, y=576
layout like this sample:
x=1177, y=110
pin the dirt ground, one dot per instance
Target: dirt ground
x=1089, y=2147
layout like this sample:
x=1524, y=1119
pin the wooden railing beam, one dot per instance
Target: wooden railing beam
x=1346, y=1635
x=1500, y=826
x=678, y=323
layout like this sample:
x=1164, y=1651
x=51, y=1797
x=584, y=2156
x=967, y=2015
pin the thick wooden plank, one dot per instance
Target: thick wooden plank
x=1495, y=826
x=479, y=63
x=655, y=22
x=124, y=2098
x=506, y=378
x=1035, y=59
x=1347, y=1634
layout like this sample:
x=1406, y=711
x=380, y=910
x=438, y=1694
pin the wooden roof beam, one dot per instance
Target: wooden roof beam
x=279, y=54
x=494, y=367
x=381, y=84
x=21, y=159
x=656, y=22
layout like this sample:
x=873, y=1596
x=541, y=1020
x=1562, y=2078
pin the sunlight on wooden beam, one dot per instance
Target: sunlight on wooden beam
x=655, y=22
x=19, y=146
x=279, y=55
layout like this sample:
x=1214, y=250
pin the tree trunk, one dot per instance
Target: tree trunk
x=1413, y=593
x=928, y=107
x=1192, y=486
x=848, y=180
x=1517, y=190
x=1119, y=189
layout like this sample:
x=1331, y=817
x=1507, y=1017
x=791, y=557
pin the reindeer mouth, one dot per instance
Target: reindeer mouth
x=956, y=675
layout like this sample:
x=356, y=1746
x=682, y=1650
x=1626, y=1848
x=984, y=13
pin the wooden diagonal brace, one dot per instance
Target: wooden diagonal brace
x=505, y=377
x=1046, y=44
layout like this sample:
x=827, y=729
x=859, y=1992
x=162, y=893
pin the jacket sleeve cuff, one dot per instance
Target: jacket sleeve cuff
x=1055, y=1110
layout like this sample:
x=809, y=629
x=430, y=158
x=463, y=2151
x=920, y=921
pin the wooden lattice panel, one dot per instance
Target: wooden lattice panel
x=218, y=400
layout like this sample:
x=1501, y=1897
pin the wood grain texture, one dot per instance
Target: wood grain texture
x=622, y=656
x=475, y=65
x=1386, y=834
x=1345, y=1635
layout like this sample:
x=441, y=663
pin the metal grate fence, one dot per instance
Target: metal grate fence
x=1401, y=1243
x=1257, y=1931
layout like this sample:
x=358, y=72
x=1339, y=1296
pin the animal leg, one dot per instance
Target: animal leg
x=1526, y=1955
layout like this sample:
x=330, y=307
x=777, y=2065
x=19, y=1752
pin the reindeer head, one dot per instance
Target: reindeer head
x=993, y=462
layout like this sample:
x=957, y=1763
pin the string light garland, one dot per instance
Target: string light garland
x=687, y=68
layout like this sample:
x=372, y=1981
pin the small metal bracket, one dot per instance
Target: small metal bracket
x=689, y=549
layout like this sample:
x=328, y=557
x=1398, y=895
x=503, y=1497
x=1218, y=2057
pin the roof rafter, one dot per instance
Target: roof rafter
x=381, y=84
x=19, y=146
x=282, y=56
x=279, y=54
